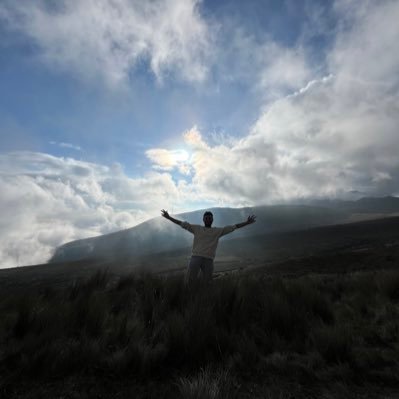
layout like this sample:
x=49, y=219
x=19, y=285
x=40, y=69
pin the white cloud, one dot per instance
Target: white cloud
x=283, y=69
x=46, y=201
x=366, y=46
x=107, y=38
x=270, y=68
x=317, y=142
x=336, y=136
x=169, y=159
x=193, y=138
x=66, y=145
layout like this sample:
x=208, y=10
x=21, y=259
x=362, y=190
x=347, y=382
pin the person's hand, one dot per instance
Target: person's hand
x=251, y=219
x=165, y=214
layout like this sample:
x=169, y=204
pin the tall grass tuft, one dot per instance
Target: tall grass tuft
x=334, y=344
x=208, y=384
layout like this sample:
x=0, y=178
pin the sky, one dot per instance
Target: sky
x=111, y=110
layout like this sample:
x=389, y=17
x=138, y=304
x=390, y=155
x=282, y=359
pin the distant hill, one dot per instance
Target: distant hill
x=387, y=204
x=159, y=235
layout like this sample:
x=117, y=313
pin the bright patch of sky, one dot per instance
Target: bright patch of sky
x=113, y=110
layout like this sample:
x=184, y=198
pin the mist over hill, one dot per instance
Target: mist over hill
x=160, y=235
x=365, y=205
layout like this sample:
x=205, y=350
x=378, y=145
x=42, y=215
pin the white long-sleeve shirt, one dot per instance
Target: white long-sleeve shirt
x=206, y=238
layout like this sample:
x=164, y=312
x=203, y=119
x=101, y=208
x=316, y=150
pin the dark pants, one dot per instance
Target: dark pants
x=198, y=263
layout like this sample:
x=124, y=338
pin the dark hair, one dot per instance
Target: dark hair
x=208, y=213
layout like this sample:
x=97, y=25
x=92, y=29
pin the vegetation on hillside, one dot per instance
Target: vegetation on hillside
x=204, y=341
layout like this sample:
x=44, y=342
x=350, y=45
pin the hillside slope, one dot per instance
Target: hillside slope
x=159, y=235
x=364, y=244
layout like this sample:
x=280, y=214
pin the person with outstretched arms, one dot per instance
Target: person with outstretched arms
x=205, y=243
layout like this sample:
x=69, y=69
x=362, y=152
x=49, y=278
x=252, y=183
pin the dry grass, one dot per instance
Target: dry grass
x=210, y=338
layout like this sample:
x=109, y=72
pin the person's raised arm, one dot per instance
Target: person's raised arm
x=166, y=215
x=251, y=219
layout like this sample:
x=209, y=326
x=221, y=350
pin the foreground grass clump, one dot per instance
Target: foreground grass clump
x=306, y=329
x=208, y=384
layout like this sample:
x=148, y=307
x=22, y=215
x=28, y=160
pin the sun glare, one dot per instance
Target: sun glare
x=180, y=156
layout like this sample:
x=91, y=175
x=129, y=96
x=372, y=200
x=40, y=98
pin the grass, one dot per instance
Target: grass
x=205, y=341
x=208, y=384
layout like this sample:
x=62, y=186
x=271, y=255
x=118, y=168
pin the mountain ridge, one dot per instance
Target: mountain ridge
x=159, y=235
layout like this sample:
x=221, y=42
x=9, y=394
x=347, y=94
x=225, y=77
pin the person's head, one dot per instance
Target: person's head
x=208, y=219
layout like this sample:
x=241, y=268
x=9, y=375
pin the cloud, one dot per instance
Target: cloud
x=369, y=32
x=105, y=39
x=169, y=159
x=272, y=69
x=194, y=138
x=46, y=201
x=66, y=145
x=284, y=69
x=334, y=137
